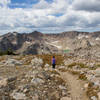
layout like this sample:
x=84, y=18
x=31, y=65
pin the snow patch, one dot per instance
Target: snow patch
x=55, y=42
x=59, y=47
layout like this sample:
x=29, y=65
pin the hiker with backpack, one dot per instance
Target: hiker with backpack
x=53, y=62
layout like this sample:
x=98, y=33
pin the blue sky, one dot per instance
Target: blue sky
x=49, y=16
x=28, y=1
x=22, y=3
x=25, y=3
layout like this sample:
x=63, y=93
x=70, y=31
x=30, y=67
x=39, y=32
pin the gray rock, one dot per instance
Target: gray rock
x=93, y=98
x=12, y=62
x=90, y=77
x=37, y=81
x=32, y=74
x=97, y=72
x=97, y=83
x=62, y=87
x=6, y=98
x=18, y=96
x=37, y=62
x=47, y=65
x=46, y=75
x=3, y=82
x=25, y=90
x=91, y=65
x=12, y=79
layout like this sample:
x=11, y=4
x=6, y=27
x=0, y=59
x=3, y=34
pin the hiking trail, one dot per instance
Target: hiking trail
x=75, y=86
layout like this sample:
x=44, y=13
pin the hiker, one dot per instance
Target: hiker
x=53, y=62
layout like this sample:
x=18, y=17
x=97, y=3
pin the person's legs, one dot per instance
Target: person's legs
x=53, y=65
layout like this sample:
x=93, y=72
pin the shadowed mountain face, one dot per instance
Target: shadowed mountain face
x=38, y=43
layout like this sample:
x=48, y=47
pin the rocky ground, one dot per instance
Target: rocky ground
x=25, y=78
x=32, y=78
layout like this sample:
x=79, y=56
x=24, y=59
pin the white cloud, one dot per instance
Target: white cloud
x=43, y=16
x=41, y=5
x=36, y=17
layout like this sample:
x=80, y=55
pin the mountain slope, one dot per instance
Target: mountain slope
x=38, y=43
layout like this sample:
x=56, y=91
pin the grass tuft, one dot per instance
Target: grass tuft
x=82, y=77
x=80, y=65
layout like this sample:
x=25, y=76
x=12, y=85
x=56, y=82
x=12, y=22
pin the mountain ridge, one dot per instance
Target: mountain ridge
x=38, y=43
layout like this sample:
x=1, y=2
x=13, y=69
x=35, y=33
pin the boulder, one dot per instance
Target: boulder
x=13, y=78
x=90, y=77
x=97, y=72
x=37, y=62
x=37, y=81
x=3, y=82
x=96, y=83
x=47, y=65
x=62, y=87
x=31, y=74
x=18, y=96
x=91, y=65
x=93, y=98
x=12, y=62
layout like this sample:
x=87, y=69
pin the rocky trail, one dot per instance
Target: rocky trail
x=75, y=86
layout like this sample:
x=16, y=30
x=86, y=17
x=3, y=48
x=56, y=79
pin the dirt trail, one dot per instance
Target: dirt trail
x=75, y=86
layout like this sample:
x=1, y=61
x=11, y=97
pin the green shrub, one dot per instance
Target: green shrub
x=98, y=65
x=7, y=52
x=80, y=65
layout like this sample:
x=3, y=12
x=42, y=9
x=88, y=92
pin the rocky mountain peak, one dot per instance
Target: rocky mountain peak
x=36, y=33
